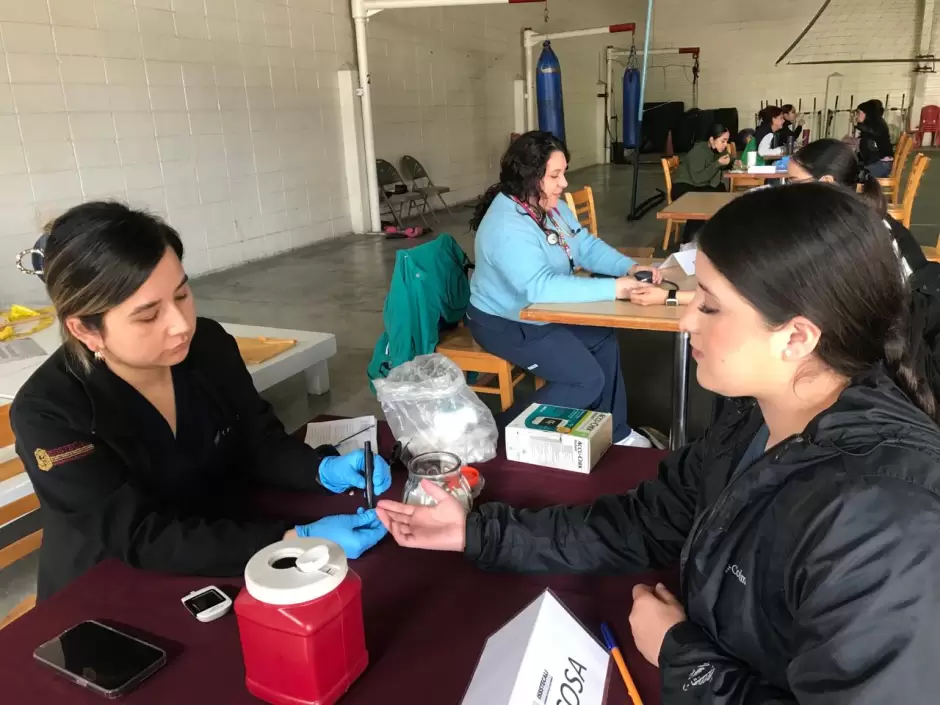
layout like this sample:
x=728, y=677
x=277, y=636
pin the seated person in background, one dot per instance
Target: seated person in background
x=742, y=139
x=792, y=127
x=528, y=244
x=829, y=161
x=701, y=170
x=143, y=432
x=702, y=167
x=806, y=519
x=875, y=152
x=833, y=161
x=772, y=120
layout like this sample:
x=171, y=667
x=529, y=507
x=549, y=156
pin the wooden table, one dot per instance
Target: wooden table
x=734, y=176
x=696, y=205
x=623, y=314
x=415, y=604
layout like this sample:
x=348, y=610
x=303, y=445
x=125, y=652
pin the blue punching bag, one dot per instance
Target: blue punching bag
x=548, y=92
x=631, y=103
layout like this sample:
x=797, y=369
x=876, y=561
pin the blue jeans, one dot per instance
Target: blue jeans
x=580, y=364
x=880, y=170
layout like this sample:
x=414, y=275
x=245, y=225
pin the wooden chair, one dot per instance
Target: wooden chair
x=669, y=166
x=903, y=212
x=891, y=185
x=10, y=512
x=932, y=253
x=743, y=182
x=460, y=347
x=582, y=205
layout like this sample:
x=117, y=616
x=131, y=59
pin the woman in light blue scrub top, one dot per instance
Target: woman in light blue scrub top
x=528, y=245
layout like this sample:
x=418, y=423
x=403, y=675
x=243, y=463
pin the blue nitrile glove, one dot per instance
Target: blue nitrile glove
x=355, y=533
x=340, y=472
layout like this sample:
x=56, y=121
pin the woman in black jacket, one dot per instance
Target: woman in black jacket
x=143, y=433
x=833, y=161
x=875, y=152
x=806, y=520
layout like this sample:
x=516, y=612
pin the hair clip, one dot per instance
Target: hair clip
x=37, y=252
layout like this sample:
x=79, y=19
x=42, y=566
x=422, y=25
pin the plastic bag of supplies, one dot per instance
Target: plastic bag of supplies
x=429, y=407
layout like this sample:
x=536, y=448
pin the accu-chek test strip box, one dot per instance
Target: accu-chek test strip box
x=558, y=437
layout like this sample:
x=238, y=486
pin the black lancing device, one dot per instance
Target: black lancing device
x=370, y=480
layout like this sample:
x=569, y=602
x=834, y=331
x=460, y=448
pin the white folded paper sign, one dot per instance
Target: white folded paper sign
x=542, y=656
x=684, y=259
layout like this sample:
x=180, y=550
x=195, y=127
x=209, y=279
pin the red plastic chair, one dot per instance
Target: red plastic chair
x=929, y=122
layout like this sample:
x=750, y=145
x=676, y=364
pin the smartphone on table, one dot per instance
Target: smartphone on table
x=101, y=658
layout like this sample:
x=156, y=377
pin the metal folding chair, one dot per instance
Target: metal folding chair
x=413, y=171
x=388, y=176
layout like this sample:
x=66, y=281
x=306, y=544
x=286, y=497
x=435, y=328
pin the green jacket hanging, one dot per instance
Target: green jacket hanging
x=429, y=287
x=752, y=147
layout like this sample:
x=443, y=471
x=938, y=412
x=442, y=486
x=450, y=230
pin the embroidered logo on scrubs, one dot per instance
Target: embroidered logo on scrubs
x=48, y=459
x=700, y=676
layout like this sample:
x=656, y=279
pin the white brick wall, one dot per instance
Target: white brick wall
x=443, y=82
x=741, y=41
x=443, y=77
x=221, y=115
x=932, y=92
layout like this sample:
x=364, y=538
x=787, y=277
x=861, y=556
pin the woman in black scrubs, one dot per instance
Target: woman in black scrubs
x=143, y=434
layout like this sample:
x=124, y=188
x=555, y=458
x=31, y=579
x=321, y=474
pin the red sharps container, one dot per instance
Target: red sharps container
x=300, y=622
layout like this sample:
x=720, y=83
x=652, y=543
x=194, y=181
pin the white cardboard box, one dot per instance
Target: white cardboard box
x=558, y=437
x=542, y=656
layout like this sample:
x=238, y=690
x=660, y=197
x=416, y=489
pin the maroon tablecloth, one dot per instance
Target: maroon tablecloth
x=427, y=614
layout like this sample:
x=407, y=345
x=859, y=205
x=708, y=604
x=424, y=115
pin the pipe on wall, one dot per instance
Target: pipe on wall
x=362, y=10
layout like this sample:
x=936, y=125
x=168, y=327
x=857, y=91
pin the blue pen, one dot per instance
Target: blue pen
x=614, y=650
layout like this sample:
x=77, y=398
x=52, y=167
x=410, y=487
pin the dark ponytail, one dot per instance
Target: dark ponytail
x=521, y=171
x=873, y=194
x=835, y=159
x=906, y=359
x=818, y=251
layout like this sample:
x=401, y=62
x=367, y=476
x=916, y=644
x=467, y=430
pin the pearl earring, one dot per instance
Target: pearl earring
x=98, y=356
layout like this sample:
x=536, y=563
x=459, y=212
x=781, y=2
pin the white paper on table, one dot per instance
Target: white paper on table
x=333, y=433
x=17, y=350
x=769, y=169
x=684, y=259
x=541, y=656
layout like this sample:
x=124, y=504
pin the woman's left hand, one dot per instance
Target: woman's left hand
x=339, y=473
x=657, y=275
x=355, y=533
x=648, y=296
x=655, y=611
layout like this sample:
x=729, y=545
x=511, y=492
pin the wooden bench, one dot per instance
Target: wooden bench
x=22, y=501
x=459, y=346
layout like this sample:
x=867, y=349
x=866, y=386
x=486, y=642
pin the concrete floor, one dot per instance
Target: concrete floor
x=340, y=286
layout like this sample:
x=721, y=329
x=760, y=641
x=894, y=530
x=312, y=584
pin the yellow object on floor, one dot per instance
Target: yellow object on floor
x=14, y=321
x=254, y=351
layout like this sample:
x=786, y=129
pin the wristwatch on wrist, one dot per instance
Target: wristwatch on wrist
x=672, y=298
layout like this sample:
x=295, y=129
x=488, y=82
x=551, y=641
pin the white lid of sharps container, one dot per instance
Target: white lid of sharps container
x=318, y=567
